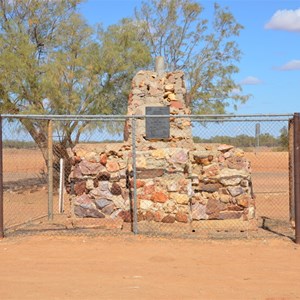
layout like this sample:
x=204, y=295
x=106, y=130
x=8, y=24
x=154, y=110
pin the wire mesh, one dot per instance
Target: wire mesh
x=25, y=174
x=116, y=179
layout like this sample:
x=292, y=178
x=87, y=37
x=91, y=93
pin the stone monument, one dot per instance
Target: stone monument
x=178, y=181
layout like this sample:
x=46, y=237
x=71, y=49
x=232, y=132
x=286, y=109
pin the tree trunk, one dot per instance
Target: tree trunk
x=38, y=131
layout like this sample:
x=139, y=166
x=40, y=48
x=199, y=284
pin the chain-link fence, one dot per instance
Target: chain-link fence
x=178, y=175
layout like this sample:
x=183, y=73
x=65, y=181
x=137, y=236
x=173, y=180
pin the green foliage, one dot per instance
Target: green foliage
x=206, y=51
x=284, y=138
x=243, y=140
x=53, y=62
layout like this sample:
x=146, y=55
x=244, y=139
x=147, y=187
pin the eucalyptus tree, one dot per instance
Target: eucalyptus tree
x=53, y=62
x=205, y=49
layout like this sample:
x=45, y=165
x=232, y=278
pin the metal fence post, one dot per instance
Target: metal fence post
x=135, y=226
x=1, y=183
x=50, y=170
x=291, y=171
x=297, y=175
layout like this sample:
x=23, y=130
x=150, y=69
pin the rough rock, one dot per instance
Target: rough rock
x=149, y=216
x=180, y=198
x=158, y=216
x=108, y=209
x=82, y=212
x=168, y=219
x=79, y=187
x=150, y=173
x=199, y=211
x=103, y=159
x=181, y=217
x=243, y=200
x=112, y=166
x=84, y=201
x=115, y=189
x=225, y=215
x=210, y=187
x=235, y=191
x=126, y=216
x=146, y=204
x=101, y=203
x=103, y=176
x=90, y=168
x=159, y=197
x=225, y=147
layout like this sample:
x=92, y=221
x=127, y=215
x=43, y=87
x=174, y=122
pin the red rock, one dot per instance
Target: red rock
x=227, y=215
x=82, y=212
x=243, y=200
x=233, y=207
x=149, y=216
x=139, y=183
x=76, y=172
x=126, y=216
x=150, y=173
x=159, y=197
x=149, y=189
x=115, y=189
x=90, y=168
x=79, y=188
x=214, y=206
x=140, y=217
x=130, y=98
x=103, y=176
x=176, y=104
x=210, y=187
x=213, y=170
x=76, y=159
x=85, y=201
x=214, y=216
x=179, y=157
x=112, y=166
x=168, y=219
x=108, y=210
x=181, y=217
x=96, y=183
x=103, y=159
x=158, y=216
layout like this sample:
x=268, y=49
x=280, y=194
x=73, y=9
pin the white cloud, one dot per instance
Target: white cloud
x=235, y=91
x=250, y=80
x=291, y=65
x=285, y=20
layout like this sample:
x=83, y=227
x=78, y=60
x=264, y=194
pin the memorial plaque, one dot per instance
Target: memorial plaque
x=157, y=128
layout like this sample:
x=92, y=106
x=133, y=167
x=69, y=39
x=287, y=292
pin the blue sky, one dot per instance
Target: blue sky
x=270, y=42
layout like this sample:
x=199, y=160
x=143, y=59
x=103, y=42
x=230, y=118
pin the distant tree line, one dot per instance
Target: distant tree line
x=243, y=140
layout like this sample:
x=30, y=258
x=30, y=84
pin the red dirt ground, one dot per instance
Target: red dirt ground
x=44, y=267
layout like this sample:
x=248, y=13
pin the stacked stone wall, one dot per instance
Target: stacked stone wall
x=173, y=185
x=177, y=180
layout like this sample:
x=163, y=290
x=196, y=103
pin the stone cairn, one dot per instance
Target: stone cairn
x=178, y=181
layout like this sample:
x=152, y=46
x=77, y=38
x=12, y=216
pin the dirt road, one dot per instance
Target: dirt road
x=146, y=268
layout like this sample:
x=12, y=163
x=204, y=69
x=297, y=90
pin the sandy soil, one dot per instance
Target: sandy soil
x=144, y=268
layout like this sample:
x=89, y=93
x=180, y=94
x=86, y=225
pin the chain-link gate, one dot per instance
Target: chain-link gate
x=211, y=177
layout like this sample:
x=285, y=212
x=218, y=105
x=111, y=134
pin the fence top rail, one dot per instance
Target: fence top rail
x=124, y=117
